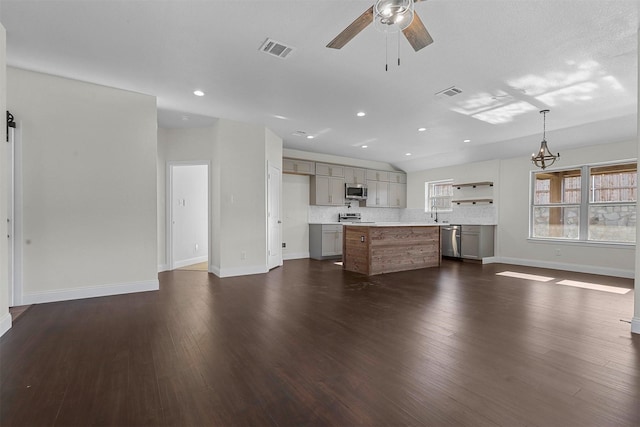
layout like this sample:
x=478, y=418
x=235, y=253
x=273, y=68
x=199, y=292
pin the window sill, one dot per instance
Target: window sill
x=585, y=243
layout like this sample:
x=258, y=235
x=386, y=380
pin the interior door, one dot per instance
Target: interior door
x=10, y=176
x=274, y=227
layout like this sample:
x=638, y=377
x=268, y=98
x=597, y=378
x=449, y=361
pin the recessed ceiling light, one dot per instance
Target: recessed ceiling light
x=407, y=154
x=467, y=140
x=365, y=146
x=361, y=114
x=185, y=118
x=421, y=129
x=198, y=93
x=310, y=136
x=278, y=116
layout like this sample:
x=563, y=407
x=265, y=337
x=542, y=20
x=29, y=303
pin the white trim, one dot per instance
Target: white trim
x=5, y=323
x=90, y=292
x=295, y=255
x=590, y=269
x=489, y=260
x=238, y=271
x=635, y=325
x=583, y=243
x=214, y=270
x=163, y=267
x=190, y=261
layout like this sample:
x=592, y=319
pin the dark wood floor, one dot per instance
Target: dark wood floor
x=308, y=344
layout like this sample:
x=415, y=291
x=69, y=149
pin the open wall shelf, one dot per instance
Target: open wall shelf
x=472, y=201
x=473, y=184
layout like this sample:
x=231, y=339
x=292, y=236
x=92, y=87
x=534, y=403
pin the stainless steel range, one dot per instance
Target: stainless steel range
x=350, y=217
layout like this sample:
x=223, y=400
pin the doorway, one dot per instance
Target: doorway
x=274, y=222
x=188, y=215
x=14, y=214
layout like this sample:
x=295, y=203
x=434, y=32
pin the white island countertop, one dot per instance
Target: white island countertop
x=401, y=224
x=392, y=224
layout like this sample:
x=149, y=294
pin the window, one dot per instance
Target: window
x=612, y=203
x=438, y=195
x=590, y=203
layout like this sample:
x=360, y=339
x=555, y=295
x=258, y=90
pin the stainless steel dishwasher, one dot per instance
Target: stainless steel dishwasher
x=450, y=241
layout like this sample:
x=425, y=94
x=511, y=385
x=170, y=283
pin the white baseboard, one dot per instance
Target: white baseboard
x=489, y=260
x=190, y=261
x=89, y=292
x=163, y=267
x=5, y=324
x=238, y=271
x=579, y=268
x=635, y=325
x=295, y=255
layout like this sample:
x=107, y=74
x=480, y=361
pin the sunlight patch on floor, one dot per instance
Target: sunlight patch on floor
x=525, y=276
x=594, y=286
x=338, y=263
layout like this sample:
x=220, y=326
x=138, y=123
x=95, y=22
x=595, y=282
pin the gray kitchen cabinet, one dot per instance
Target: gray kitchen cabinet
x=374, y=175
x=329, y=170
x=355, y=175
x=397, y=195
x=398, y=177
x=378, y=194
x=326, y=191
x=477, y=241
x=299, y=167
x=325, y=241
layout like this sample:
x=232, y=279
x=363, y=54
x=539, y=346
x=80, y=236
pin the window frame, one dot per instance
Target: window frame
x=584, y=206
x=428, y=206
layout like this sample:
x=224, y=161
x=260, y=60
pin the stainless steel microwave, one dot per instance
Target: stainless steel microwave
x=355, y=192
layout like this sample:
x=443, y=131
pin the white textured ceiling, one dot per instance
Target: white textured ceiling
x=511, y=58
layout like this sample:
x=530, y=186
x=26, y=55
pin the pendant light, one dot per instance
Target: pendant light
x=544, y=158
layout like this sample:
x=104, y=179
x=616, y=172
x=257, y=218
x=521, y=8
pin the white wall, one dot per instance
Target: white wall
x=295, y=221
x=470, y=172
x=190, y=196
x=511, y=198
x=514, y=218
x=89, y=187
x=5, y=317
x=240, y=224
x=273, y=144
x=238, y=154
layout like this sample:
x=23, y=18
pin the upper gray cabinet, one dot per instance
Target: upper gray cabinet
x=398, y=177
x=326, y=169
x=300, y=167
x=355, y=175
x=374, y=175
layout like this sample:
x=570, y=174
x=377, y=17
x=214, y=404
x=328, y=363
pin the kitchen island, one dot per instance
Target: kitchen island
x=385, y=248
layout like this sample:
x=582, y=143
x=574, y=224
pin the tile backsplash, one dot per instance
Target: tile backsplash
x=461, y=214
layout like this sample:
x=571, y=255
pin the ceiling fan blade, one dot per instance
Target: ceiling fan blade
x=417, y=34
x=352, y=30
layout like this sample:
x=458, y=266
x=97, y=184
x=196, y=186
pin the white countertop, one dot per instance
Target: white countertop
x=394, y=224
x=397, y=224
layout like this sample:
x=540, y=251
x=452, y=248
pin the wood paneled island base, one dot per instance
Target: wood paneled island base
x=376, y=249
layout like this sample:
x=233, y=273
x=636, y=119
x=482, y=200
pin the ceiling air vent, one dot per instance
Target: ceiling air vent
x=275, y=48
x=448, y=93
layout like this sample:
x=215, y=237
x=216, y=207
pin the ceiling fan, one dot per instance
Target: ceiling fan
x=388, y=16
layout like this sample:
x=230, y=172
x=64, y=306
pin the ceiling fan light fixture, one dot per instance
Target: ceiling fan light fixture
x=544, y=158
x=392, y=16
